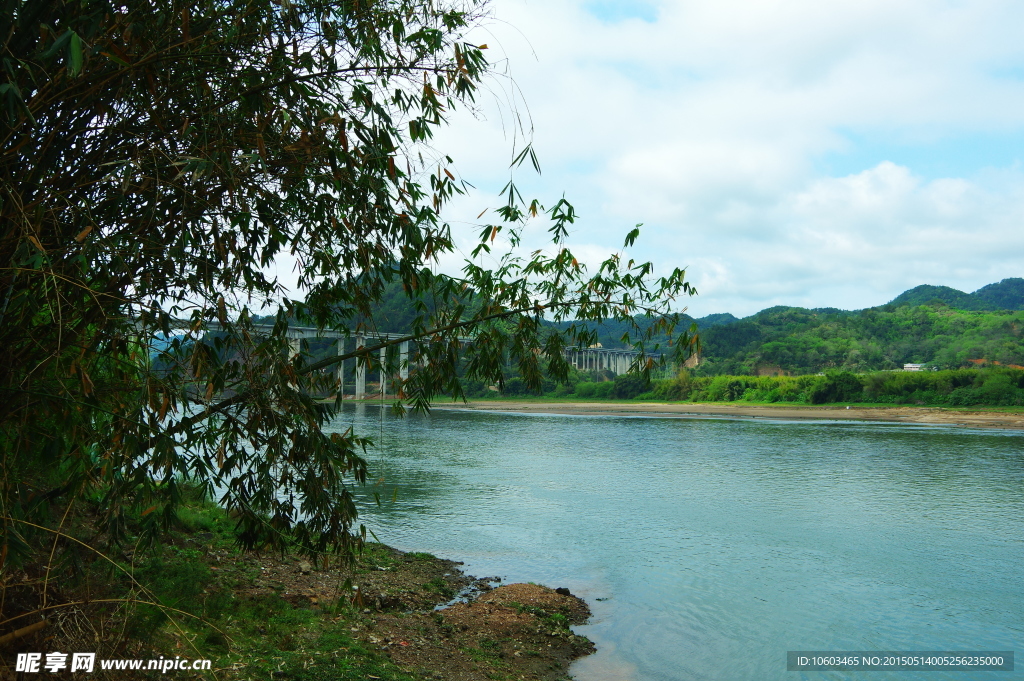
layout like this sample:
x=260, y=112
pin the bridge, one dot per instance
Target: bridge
x=617, y=361
x=598, y=359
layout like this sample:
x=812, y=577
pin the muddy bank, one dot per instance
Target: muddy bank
x=921, y=415
x=435, y=622
x=389, y=615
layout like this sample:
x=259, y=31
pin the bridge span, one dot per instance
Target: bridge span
x=617, y=361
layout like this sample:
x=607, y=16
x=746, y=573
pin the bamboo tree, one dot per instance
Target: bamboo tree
x=156, y=157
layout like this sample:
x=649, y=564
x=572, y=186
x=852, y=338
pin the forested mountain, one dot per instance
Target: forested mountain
x=800, y=341
x=926, y=293
x=1006, y=295
x=937, y=325
x=393, y=313
x=716, y=320
x=610, y=333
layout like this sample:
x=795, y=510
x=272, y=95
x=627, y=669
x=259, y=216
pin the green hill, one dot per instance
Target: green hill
x=1006, y=295
x=924, y=294
x=801, y=341
x=716, y=320
x=937, y=325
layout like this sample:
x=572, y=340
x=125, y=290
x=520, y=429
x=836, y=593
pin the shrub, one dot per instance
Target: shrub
x=997, y=389
x=964, y=397
x=475, y=388
x=562, y=390
x=515, y=386
x=726, y=388
x=628, y=386
x=838, y=386
x=678, y=388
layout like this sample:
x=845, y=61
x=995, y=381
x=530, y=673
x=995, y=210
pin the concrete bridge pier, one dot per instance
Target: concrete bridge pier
x=618, y=361
x=403, y=361
x=340, y=370
x=294, y=350
x=360, y=369
x=584, y=359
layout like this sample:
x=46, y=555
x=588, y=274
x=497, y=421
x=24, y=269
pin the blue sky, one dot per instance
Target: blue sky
x=615, y=11
x=787, y=153
x=954, y=154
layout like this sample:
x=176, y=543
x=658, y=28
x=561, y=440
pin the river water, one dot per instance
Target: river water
x=708, y=548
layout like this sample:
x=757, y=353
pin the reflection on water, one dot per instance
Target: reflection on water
x=718, y=545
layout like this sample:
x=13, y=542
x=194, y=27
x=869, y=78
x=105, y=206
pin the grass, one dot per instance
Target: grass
x=555, y=620
x=440, y=587
x=246, y=637
x=420, y=555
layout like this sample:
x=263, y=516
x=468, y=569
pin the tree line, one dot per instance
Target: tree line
x=986, y=386
x=801, y=341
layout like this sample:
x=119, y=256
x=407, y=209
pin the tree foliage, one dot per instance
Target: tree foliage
x=157, y=157
x=802, y=341
x=989, y=386
x=1007, y=294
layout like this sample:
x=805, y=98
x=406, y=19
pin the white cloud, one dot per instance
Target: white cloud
x=711, y=125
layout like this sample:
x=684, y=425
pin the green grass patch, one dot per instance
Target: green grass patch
x=419, y=555
x=199, y=570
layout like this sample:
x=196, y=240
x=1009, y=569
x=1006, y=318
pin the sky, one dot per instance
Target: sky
x=785, y=152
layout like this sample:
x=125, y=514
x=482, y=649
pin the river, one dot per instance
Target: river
x=708, y=548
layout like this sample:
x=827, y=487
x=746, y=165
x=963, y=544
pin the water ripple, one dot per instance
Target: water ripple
x=719, y=545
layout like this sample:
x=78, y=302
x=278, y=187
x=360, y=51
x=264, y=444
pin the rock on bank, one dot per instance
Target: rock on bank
x=513, y=631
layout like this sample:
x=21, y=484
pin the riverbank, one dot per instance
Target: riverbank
x=426, y=618
x=1003, y=418
x=387, y=615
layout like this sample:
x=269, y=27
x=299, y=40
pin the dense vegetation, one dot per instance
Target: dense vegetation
x=989, y=386
x=157, y=157
x=921, y=326
x=972, y=344
x=934, y=325
x=801, y=341
x=955, y=388
x=797, y=342
x=1007, y=294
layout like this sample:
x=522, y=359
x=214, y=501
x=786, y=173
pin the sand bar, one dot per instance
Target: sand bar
x=919, y=415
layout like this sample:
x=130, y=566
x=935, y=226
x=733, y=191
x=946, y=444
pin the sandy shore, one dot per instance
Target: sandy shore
x=921, y=415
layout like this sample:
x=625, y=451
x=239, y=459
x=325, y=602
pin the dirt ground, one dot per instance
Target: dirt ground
x=432, y=620
x=920, y=415
x=483, y=631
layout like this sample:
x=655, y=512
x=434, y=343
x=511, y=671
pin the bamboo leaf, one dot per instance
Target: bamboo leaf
x=631, y=237
x=75, y=55
x=35, y=242
x=114, y=58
